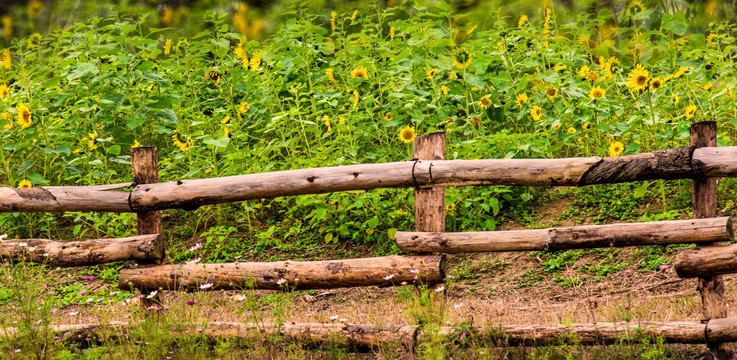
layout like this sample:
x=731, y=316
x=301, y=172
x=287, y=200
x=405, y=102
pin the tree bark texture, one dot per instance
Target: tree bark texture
x=429, y=202
x=288, y=275
x=82, y=253
x=578, y=237
x=65, y=198
x=145, y=164
x=706, y=261
x=677, y=163
x=704, y=202
x=410, y=336
x=684, y=332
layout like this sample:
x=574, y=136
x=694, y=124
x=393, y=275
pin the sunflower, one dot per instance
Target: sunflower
x=476, y=121
x=355, y=98
x=521, y=99
x=7, y=59
x=461, y=58
x=255, y=61
x=583, y=71
x=407, y=134
x=616, y=148
x=571, y=130
x=550, y=92
x=326, y=121
x=214, y=76
x=536, y=112
x=592, y=76
x=586, y=126
x=444, y=90
x=24, y=184
x=4, y=91
x=681, y=71
x=656, y=83
x=597, y=93
x=485, y=102
x=560, y=67
x=710, y=40
x=330, y=75
x=388, y=117
x=24, y=115
x=360, y=72
x=634, y=8
x=690, y=111
x=522, y=20
x=34, y=40
x=431, y=73
x=638, y=78
x=244, y=108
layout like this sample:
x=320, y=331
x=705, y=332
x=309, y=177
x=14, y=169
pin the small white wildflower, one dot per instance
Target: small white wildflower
x=334, y=317
x=152, y=294
x=389, y=277
x=17, y=350
x=414, y=271
x=343, y=320
x=73, y=313
x=457, y=306
x=23, y=244
x=194, y=261
x=281, y=281
x=3, y=237
x=239, y=297
x=440, y=288
x=196, y=247
x=206, y=286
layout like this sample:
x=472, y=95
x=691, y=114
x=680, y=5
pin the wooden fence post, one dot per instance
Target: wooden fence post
x=145, y=164
x=430, y=202
x=704, y=201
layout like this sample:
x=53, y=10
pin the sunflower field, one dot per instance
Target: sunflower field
x=335, y=87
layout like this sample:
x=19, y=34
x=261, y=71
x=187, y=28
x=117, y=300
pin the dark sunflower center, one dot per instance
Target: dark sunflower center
x=641, y=80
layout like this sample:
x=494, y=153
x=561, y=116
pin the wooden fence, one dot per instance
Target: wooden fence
x=428, y=173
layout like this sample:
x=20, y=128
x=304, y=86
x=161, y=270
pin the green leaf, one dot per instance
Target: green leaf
x=37, y=179
x=135, y=122
x=676, y=24
x=114, y=150
x=220, y=141
x=82, y=70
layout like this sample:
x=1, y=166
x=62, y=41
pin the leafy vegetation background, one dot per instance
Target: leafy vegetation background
x=224, y=88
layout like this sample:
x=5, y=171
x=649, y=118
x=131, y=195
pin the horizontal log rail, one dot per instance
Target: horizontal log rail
x=410, y=336
x=288, y=275
x=601, y=333
x=676, y=163
x=704, y=261
x=565, y=238
x=144, y=248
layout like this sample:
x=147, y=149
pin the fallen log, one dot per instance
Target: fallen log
x=702, y=261
x=65, y=198
x=411, y=336
x=359, y=336
x=578, y=237
x=683, y=332
x=288, y=275
x=82, y=253
x=676, y=163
